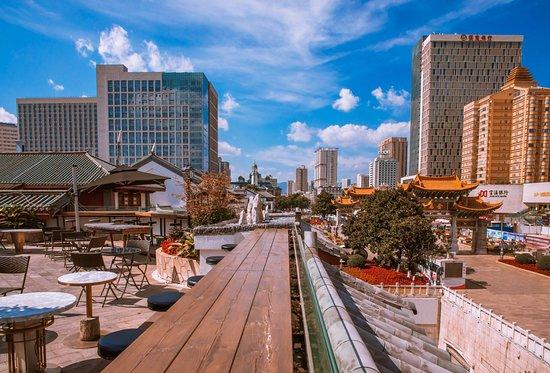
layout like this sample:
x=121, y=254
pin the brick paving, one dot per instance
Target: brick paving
x=518, y=295
x=129, y=312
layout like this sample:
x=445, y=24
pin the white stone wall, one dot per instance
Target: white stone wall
x=486, y=342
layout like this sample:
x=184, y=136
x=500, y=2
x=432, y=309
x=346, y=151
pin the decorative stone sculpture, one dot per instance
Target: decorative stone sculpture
x=241, y=217
x=249, y=210
x=257, y=215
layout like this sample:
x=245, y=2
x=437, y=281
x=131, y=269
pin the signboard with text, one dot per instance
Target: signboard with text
x=511, y=197
x=536, y=193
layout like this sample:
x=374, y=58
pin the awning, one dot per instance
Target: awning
x=42, y=200
x=126, y=176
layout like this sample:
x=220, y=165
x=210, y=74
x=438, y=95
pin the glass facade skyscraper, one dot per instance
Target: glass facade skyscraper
x=173, y=114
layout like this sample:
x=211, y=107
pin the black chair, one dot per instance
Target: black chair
x=92, y=261
x=193, y=280
x=113, y=344
x=139, y=261
x=229, y=246
x=215, y=259
x=161, y=302
x=14, y=265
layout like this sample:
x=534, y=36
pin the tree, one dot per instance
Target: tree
x=209, y=201
x=392, y=225
x=323, y=205
x=291, y=202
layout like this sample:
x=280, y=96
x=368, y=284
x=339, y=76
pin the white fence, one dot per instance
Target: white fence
x=517, y=335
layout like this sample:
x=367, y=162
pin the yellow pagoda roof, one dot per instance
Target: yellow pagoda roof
x=476, y=205
x=439, y=183
x=355, y=191
x=344, y=201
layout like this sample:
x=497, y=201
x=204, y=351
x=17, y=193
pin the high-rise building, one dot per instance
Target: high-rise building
x=448, y=72
x=382, y=171
x=58, y=124
x=507, y=133
x=224, y=167
x=396, y=148
x=346, y=183
x=362, y=180
x=326, y=167
x=301, y=179
x=290, y=187
x=176, y=114
x=8, y=137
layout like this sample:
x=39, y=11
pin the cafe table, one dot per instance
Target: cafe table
x=90, y=331
x=24, y=318
x=18, y=237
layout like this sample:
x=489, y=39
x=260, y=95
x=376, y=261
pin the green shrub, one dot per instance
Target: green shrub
x=544, y=262
x=17, y=216
x=525, y=259
x=356, y=260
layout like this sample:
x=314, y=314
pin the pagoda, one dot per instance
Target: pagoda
x=352, y=197
x=447, y=197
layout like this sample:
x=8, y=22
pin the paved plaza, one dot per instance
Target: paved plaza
x=129, y=312
x=518, y=295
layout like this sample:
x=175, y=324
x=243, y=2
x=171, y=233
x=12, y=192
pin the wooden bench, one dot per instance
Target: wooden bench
x=237, y=318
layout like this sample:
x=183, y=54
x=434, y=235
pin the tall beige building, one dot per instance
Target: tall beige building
x=362, y=180
x=290, y=187
x=301, y=179
x=8, y=137
x=326, y=167
x=58, y=124
x=396, y=148
x=507, y=133
x=450, y=71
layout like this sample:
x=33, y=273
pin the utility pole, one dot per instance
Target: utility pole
x=75, y=192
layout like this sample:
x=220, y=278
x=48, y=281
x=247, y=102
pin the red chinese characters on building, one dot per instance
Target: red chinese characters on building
x=465, y=37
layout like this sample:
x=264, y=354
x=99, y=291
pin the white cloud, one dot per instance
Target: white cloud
x=55, y=86
x=347, y=101
x=224, y=148
x=115, y=47
x=223, y=124
x=354, y=135
x=391, y=99
x=84, y=46
x=6, y=116
x=300, y=132
x=287, y=155
x=229, y=104
x=92, y=64
x=166, y=62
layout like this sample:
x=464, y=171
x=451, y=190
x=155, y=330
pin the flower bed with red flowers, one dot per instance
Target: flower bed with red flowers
x=529, y=267
x=166, y=248
x=376, y=275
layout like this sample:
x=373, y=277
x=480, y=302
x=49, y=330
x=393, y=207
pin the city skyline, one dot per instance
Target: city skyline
x=317, y=89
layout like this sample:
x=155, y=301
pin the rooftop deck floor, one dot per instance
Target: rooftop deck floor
x=129, y=312
x=516, y=294
x=237, y=318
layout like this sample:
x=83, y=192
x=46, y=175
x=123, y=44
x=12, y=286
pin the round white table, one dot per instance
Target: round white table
x=18, y=236
x=24, y=318
x=89, y=327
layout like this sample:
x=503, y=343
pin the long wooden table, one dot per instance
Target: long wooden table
x=236, y=319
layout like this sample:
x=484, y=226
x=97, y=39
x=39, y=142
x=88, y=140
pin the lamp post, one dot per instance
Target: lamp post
x=75, y=192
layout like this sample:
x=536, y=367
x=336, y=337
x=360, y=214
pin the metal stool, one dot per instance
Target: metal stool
x=229, y=246
x=193, y=280
x=215, y=259
x=113, y=344
x=161, y=302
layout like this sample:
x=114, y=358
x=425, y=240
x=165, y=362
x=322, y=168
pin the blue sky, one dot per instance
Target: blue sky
x=291, y=75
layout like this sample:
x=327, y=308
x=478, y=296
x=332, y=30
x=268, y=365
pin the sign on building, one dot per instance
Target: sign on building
x=536, y=193
x=511, y=197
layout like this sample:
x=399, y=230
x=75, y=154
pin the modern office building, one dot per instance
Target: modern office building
x=301, y=179
x=174, y=113
x=326, y=167
x=68, y=124
x=507, y=134
x=8, y=137
x=224, y=167
x=346, y=183
x=362, y=180
x=396, y=148
x=290, y=187
x=450, y=71
x=382, y=172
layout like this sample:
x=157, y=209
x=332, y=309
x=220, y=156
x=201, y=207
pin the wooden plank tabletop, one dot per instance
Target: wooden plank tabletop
x=237, y=318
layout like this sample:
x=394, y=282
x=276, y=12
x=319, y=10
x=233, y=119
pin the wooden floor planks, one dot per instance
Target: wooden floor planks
x=237, y=318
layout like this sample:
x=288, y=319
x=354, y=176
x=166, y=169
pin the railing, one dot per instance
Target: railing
x=517, y=335
x=413, y=290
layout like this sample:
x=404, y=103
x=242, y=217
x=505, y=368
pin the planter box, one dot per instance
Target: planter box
x=175, y=269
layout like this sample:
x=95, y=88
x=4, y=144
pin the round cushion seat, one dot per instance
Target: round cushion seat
x=163, y=301
x=111, y=345
x=229, y=246
x=192, y=281
x=215, y=259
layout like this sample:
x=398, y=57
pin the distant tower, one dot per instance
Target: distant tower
x=255, y=175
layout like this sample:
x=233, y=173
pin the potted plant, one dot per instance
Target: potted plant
x=177, y=258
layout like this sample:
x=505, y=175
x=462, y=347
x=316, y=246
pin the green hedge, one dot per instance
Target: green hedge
x=544, y=262
x=525, y=259
x=356, y=260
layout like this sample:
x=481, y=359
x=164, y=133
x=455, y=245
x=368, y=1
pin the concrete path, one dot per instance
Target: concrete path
x=516, y=294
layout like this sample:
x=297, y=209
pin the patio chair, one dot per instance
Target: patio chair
x=68, y=246
x=95, y=244
x=56, y=241
x=14, y=265
x=91, y=261
x=47, y=233
x=2, y=240
x=140, y=261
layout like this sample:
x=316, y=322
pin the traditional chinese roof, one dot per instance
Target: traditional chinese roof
x=439, y=185
x=358, y=192
x=345, y=201
x=47, y=201
x=519, y=77
x=475, y=206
